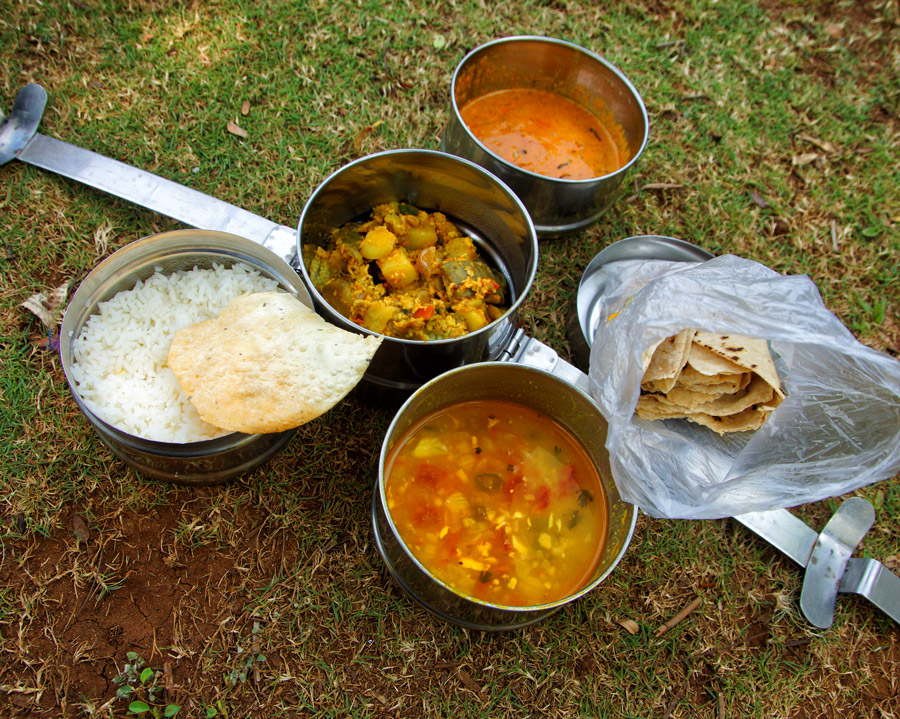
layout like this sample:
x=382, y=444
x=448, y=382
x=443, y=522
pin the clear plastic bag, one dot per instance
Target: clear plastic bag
x=837, y=429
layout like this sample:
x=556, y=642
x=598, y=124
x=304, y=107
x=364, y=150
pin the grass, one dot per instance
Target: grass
x=777, y=122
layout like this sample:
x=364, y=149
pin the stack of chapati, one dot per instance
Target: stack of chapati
x=725, y=382
x=267, y=363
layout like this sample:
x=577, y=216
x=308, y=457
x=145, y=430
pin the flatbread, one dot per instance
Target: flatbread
x=698, y=381
x=750, y=353
x=668, y=357
x=267, y=363
x=749, y=419
x=725, y=382
x=757, y=392
x=711, y=364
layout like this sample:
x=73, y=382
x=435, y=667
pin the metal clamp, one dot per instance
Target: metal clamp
x=827, y=559
x=534, y=353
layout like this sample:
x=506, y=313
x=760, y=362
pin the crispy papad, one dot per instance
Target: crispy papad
x=267, y=363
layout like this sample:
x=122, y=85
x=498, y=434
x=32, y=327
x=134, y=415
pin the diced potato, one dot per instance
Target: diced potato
x=460, y=247
x=429, y=447
x=469, y=563
x=545, y=462
x=377, y=316
x=378, y=243
x=398, y=269
x=418, y=238
x=474, y=318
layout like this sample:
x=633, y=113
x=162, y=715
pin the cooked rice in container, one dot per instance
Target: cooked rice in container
x=120, y=356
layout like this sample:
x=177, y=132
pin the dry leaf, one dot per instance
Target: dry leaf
x=82, y=533
x=236, y=129
x=804, y=159
x=629, y=625
x=759, y=199
x=468, y=682
x=47, y=307
x=245, y=108
x=362, y=135
x=823, y=145
x=101, y=237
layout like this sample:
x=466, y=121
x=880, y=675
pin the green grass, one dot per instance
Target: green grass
x=281, y=562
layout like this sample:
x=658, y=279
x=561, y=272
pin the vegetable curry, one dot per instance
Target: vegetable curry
x=407, y=273
x=498, y=501
x=546, y=133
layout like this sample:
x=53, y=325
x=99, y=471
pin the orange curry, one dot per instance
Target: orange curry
x=546, y=133
x=498, y=501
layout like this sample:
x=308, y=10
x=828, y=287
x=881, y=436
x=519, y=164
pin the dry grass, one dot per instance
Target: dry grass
x=265, y=596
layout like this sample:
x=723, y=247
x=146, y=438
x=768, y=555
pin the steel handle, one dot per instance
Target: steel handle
x=156, y=193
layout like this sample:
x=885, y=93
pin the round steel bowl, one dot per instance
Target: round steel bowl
x=524, y=385
x=557, y=207
x=582, y=315
x=476, y=201
x=196, y=463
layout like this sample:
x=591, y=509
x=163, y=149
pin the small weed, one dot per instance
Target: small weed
x=246, y=664
x=139, y=686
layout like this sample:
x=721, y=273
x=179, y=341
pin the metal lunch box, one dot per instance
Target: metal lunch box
x=475, y=201
x=195, y=463
x=557, y=206
x=545, y=392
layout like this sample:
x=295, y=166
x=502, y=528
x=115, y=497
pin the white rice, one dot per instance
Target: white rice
x=120, y=357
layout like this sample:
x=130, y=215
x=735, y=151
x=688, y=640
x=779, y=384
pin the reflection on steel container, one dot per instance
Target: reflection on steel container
x=557, y=206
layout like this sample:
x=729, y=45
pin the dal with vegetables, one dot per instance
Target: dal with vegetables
x=498, y=501
x=409, y=274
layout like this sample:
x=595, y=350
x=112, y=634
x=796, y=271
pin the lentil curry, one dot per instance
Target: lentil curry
x=407, y=273
x=498, y=501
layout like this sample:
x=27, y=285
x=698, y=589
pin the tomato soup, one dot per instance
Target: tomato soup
x=498, y=501
x=546, y=133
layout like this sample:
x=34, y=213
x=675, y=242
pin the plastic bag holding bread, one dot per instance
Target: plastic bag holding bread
x=825, y=423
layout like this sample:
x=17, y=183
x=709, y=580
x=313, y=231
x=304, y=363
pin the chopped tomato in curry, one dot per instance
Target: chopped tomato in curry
x=498, y=501
x=409, y=274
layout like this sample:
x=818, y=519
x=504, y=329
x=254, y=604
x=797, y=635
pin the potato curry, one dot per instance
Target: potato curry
x=407, y=273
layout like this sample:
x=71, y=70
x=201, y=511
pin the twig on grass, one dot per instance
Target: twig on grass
x=670, y=707
x=678, y=618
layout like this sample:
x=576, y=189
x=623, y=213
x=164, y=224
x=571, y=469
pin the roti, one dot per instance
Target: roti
x=667, y=357
x=727, y=383
x=749, y=353
x=267, y=363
